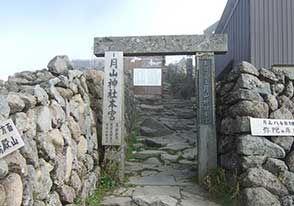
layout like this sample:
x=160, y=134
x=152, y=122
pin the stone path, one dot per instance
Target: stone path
x=163, y=171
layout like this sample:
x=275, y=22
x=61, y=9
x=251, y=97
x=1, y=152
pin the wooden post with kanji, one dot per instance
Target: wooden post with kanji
x=112, y=128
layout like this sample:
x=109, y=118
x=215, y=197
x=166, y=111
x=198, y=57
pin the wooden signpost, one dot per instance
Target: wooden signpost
x=112, y=128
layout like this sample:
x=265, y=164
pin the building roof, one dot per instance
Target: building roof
x=227, y=14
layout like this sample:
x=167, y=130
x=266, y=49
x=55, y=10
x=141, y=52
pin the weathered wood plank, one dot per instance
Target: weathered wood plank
x=207, y=143
x=161, y=45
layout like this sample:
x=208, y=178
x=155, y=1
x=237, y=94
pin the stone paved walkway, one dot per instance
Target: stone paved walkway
x=163, y=171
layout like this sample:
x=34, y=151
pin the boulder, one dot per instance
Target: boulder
x=43, y=118
x=67, y=194
x=2, y=195
x=268, y=75
x=250, y=108
x=4, y=107
x=89, y=185
x=251, y=82
x=59, y=65
x=252, y=161
x=14, y=189
x=82, y=146
x=275, y=166
x=287, y=71
x=15, y=103
x=16, y=163
x=253, y=145
x=45, y=146
x=54, y=199
x=43, y=183
x=285, y=142
x=287, y=201
x=277, y=88
x=246, y=67
x=117, y=201
x=28, y=99
x=75, y=181
x=286, y=102
x=287, y=179
x=290, y=161
x=74, y=128
x=41, y=95
x=160, y=200
x=235, y=125
x=272, y=102
x=152, y=128
x=3, y=168
x=289, y=90
x=257, y=177
x=20, y=120
x=242, y=94
x=258, y=197
x=56, y=138
x=57, y=114
x=29, y=151
x=282, y=113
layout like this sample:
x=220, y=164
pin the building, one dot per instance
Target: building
x=259, y=31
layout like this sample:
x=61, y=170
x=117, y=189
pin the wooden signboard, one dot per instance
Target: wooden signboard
x=113, y=99
x=10, y=139
x=272, y=127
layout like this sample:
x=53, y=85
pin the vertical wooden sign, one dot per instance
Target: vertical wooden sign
x=207, y=144
x=113, y=99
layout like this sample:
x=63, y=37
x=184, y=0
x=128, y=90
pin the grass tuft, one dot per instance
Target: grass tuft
x=225, y=192
x=106, y=184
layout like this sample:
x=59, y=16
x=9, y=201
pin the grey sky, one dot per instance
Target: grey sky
x=34, y=31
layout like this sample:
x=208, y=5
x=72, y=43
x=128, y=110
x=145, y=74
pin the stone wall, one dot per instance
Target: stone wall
x=53, y=112
x=264, y=165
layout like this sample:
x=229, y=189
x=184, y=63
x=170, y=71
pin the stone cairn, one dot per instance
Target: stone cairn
x=263, y=165
x=51, y=109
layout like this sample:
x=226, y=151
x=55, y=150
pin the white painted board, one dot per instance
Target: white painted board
x=147, y=77
x=112, y=123
x=10, y=139
x=271, y=127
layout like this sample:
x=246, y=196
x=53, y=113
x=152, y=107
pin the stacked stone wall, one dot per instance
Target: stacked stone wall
x=54, y=112
x=264, y=165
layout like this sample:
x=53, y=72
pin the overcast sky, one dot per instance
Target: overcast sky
x=34, y=31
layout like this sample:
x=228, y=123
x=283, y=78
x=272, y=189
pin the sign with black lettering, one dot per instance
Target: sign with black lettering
x=205, y=91
x=10, y=139
x=272, y=127
x=113, y=99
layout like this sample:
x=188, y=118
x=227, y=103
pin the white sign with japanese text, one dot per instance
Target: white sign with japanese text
x=10, y=139
x=147, y=77
x=271, y=127
x=113, y=99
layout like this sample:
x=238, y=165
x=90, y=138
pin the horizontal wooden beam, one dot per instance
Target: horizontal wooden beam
x=161, y=45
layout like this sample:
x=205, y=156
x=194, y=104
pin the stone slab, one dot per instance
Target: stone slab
x=158, y=180
x=155, y=190
x=161, y=45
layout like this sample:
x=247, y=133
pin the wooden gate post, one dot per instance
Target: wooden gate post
x=207, y=143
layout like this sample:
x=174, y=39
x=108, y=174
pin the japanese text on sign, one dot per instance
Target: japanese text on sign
x=10, y=139
x=113, y=99
x=272, y=127
x=205, y=91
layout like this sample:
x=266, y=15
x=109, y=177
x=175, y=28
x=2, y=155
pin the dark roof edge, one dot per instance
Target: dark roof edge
x=227, y=15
